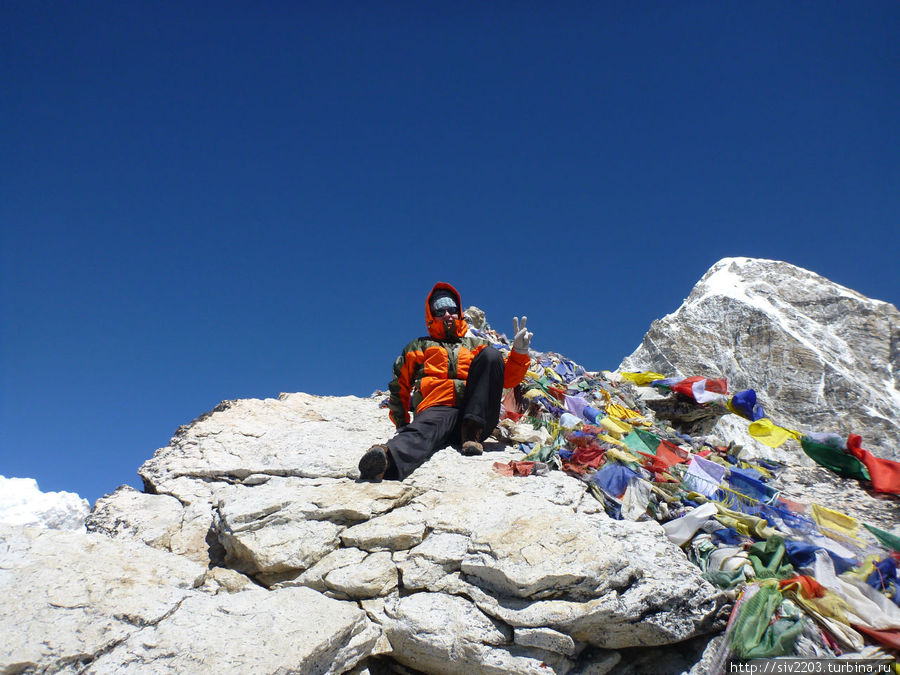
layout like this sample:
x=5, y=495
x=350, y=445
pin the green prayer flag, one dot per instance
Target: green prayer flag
x=891, y=541
x=642, y=441
x=768, y=559
x=834, y=459
x=755, y=635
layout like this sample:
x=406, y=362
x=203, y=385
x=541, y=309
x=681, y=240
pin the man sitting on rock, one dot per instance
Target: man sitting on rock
x=452, y=382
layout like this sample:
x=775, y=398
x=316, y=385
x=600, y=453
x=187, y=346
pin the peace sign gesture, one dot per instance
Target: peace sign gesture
x=522, y=339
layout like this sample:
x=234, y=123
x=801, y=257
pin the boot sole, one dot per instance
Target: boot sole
x=373, y=464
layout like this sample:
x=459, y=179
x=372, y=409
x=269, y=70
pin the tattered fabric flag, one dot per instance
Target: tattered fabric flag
x=746, y=482
x=568, y=370
x=576, y=405
x=664, y=458
x=834, y=520
x=591, y=455
x=891, y=541
x=888, y=638
x=744, y=404
x=642, y=379
x=514, y=468
x=758, y=632
x=832, y=458
x=884, y=472
x=510, y=407
x=802, y=554
x=767, y=432
x=704, y=476
x=569, y=421
x=680, y=530
x=702, y=389
x=884, y=574
x=613, y=478
x=674, y=449
x=615, y=427
x=768, y=559
x=642, y=441
x=622, y=413
x=635, y=499
x=865, y=606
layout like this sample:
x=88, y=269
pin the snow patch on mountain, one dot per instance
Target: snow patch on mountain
x=23, y=503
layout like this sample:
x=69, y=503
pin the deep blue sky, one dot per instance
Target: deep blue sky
x=206, y=201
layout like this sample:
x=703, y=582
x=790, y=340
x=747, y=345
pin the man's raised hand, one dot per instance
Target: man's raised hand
x=522, y=339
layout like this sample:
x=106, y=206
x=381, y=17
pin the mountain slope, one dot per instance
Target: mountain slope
x=821, y=357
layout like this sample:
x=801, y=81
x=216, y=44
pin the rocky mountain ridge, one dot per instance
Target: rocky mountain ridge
x=820, y=356
x=253, y=547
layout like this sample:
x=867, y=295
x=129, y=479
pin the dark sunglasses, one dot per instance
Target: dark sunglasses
x=445, y=310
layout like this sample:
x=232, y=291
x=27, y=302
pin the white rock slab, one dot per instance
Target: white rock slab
x=286, y=525
x=449, y=471
x=159, y=521
x=397, y=530
x=89, y=603
x=129, y=514
x=67, y=596
x=294, y=435
x=285, y=543
x=293, y=630
x=547, y=639
x=534, y=553
x=375, y=576
x=314, y=577
x=444, y=634
x=443, y=548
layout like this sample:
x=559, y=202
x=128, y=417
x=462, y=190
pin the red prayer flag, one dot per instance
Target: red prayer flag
x=889, y=638
x=885, y=473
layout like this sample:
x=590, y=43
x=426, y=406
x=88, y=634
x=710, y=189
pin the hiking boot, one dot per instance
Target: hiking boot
x=471, y=438
x=472, y=448
x=374, y=463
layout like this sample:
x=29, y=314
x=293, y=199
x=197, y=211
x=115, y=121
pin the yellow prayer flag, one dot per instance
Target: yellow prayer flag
x=642, y=379
x=865, y=568
x=611, y=440
x=769, y=433
x=616, y=428
x=631, y=416
x=552, y=374
x=835, y=520
x=622, y=454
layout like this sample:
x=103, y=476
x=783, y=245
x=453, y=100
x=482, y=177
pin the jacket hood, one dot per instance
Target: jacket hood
x=435, y=325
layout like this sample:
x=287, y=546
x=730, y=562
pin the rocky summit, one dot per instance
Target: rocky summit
x=820, y=356
x=255, y=548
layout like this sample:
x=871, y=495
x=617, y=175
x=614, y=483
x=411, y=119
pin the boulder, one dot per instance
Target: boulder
x=444, y=634
x=83, y=602
x=293, y=630
x=69, y=597
x=295, y=435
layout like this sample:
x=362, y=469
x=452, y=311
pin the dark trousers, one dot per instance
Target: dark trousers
x=439, y=426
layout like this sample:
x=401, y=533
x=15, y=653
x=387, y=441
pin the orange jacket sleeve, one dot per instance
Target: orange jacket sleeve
x=516, y=367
